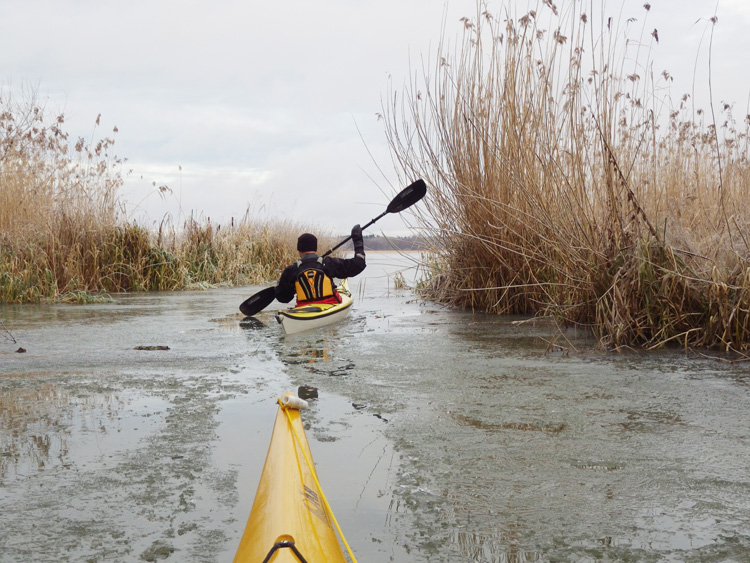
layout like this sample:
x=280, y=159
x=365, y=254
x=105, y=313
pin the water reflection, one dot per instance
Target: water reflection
x=309, y=353
x=500, y=549
x=316, y=354
x=252, y=323
x=36, y=426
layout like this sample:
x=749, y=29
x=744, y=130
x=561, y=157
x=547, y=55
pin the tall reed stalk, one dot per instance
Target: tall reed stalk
x=562, y=185
x=63, y=233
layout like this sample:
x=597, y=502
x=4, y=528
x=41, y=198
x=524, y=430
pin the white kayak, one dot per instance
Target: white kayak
x=307, y=317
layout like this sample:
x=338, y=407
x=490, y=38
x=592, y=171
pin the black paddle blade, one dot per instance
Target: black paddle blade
x=410, y=195
x=258, y=302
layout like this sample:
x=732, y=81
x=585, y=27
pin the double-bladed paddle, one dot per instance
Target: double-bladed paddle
x=405, y=199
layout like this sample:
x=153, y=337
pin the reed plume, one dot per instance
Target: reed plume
x=563, y=186
x=64, y=234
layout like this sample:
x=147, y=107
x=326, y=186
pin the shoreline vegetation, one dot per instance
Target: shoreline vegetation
x=566, y=183
x=63, y=235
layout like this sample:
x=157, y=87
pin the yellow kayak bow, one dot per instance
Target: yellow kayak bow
x=290, y=521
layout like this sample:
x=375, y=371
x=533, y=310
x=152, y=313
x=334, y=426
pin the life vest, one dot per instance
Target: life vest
x=313, y=284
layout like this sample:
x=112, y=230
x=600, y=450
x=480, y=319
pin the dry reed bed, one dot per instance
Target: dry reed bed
x=562, y=186
x=62, y=232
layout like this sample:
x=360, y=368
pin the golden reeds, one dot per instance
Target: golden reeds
x=558, y=188
x=63, y=234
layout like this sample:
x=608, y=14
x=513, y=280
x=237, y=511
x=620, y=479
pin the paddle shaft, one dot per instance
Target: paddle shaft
x=347, y=239
x=407, y=197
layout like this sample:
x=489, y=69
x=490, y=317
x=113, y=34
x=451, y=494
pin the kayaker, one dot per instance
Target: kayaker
x=310, y=278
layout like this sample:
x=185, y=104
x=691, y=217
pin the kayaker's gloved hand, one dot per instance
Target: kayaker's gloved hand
x=359, y=244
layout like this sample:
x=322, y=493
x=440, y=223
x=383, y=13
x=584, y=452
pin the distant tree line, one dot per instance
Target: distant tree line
x=376, y=243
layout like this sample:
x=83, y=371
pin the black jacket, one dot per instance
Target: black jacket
x=333, y=267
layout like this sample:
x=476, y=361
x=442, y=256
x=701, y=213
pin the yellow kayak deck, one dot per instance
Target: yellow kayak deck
x=290, y=521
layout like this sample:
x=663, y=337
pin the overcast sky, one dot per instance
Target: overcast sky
x=271, y=105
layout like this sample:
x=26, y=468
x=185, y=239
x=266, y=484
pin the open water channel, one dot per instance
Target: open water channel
x=439, y=435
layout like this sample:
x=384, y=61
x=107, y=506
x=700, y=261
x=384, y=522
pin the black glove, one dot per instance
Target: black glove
x=359, y=245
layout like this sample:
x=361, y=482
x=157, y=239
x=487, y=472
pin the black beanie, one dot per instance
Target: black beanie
x=306, y=243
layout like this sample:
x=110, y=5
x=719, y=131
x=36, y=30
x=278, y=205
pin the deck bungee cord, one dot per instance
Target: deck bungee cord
x=291, y=520
x=287, y=402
